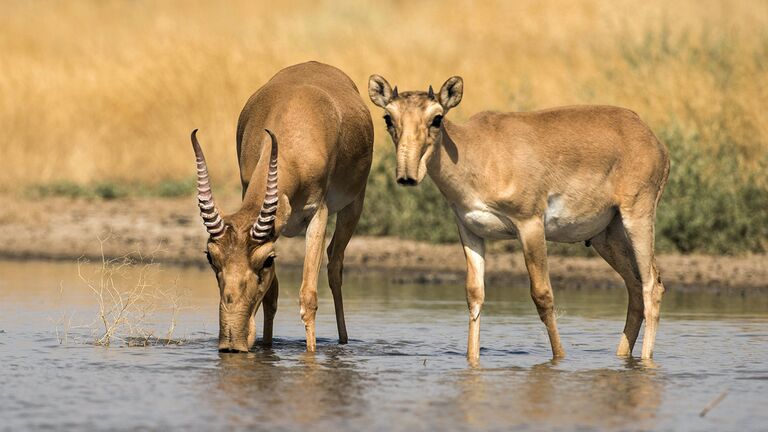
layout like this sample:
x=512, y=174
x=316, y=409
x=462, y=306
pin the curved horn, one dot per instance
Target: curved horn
x=265, y=224
x=211, y=218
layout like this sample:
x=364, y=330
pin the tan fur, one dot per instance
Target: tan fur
x=570, y=174
x=325, y=140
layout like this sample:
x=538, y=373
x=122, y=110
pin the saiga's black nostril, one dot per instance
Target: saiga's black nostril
x=406, y=181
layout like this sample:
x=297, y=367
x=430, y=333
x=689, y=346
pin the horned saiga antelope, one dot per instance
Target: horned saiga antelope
x=312, y=161
x=572, y=174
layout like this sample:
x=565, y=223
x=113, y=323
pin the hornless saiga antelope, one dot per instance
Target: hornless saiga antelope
x=325, y=138
x=572, y=174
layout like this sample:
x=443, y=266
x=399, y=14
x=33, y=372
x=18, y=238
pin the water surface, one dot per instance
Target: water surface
x=404, y=368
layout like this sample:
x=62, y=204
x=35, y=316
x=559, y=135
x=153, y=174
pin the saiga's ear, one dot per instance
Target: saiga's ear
x=379, y=90
x=451, y=92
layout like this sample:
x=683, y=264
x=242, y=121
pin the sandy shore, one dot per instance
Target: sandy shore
x=63, y=229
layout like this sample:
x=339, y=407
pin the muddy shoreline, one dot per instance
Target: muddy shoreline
x=168, y=229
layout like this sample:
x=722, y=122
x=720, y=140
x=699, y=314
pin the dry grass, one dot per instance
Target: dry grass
x=110, y=90
x=128, y=301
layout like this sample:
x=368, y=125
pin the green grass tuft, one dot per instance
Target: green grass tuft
x=61, y=188
x=175, y=188
x=109, y=190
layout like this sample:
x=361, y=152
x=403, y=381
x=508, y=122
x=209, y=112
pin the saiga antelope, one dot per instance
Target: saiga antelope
x=313, y=161
x=585, y=173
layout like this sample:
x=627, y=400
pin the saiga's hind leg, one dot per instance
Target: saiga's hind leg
x=346, y=222
x=270, y=309
x=638, y=222
x=614, y=246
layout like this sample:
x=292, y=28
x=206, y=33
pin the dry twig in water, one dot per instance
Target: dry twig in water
x=713, y=404
x=124, y=313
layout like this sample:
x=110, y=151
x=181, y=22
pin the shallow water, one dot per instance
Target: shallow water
x=404, y=367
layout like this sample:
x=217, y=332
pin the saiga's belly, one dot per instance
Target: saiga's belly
x=567, y=222
x=563, y=222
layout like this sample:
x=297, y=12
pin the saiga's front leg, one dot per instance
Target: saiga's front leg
x=474, y=251
x=270, y=309
x=535, y=251
x=314, y=252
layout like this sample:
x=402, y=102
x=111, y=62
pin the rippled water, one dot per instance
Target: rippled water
x=404, y=367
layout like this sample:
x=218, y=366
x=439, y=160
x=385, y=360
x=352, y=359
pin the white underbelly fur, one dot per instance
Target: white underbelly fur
x=560, y=225
x=564, y=226
x=487, y=223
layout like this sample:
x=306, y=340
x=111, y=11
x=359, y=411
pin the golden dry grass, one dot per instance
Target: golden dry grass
x=95, y=90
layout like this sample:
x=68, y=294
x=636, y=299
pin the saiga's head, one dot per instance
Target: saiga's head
x=241, y=253
x=414, y=120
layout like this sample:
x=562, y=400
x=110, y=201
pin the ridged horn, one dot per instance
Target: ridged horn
x=211, y=218
x=264, y=226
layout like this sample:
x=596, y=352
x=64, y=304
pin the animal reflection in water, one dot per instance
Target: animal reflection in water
x=599, y=398
x=316, y=389
x=305, y=389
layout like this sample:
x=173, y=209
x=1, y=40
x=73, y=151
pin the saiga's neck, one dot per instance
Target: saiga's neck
x=445, y=167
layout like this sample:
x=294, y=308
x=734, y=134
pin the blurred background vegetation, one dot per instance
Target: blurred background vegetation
x=99, y=97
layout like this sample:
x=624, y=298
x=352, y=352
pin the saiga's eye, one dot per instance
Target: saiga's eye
x=388, y=120
x=269, y=261
x=437, y=121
